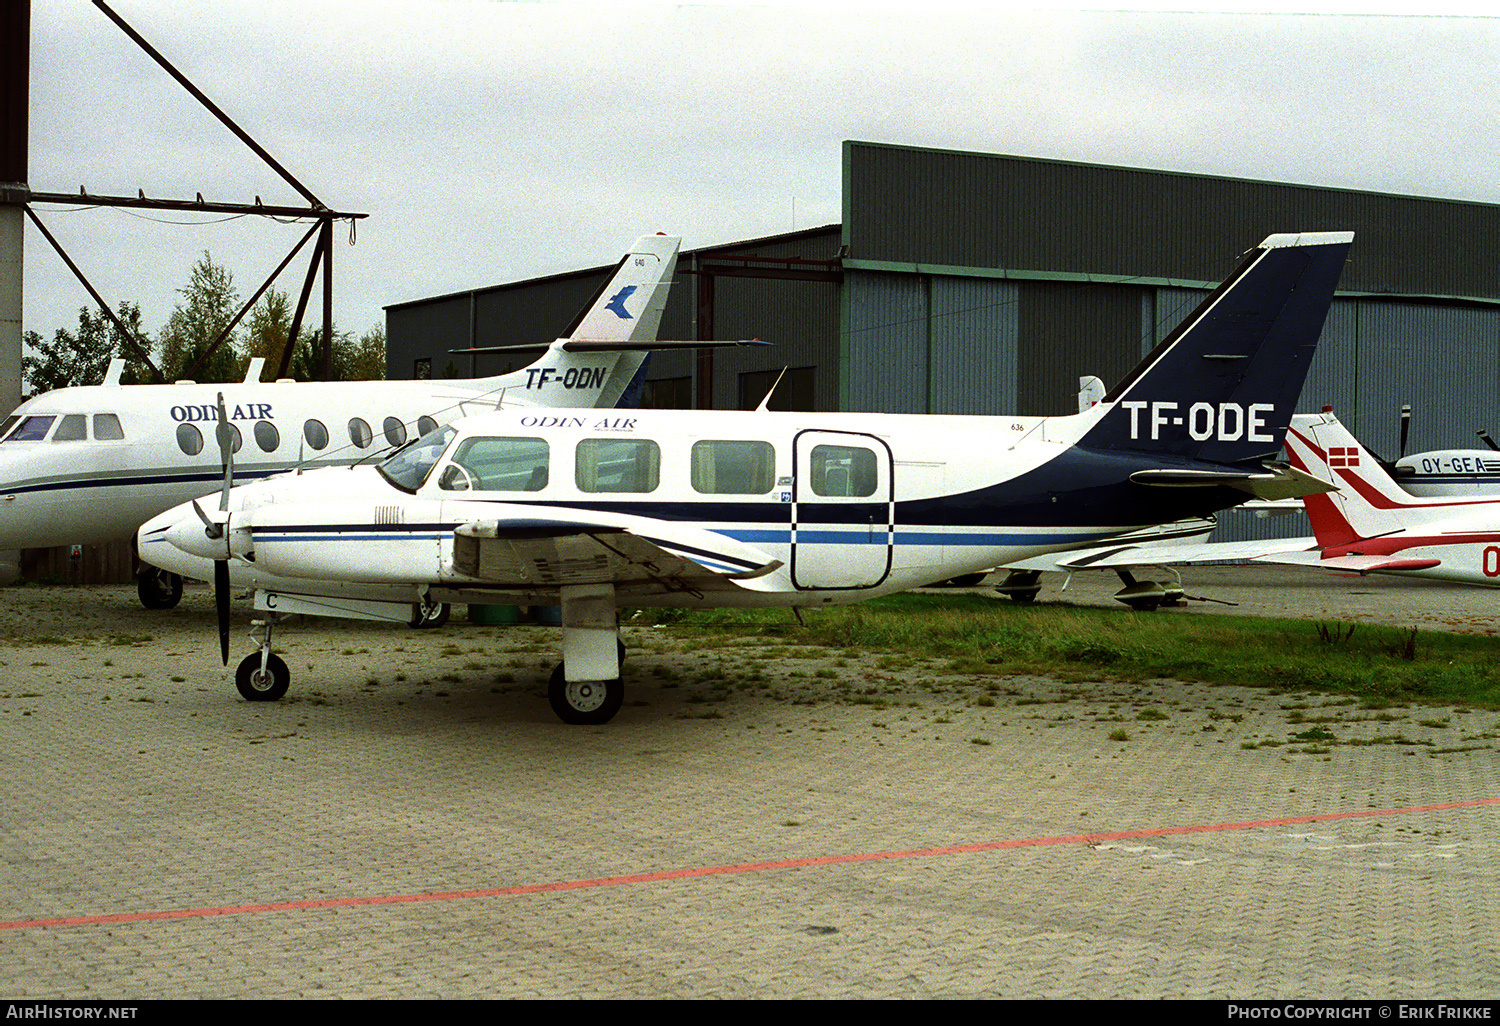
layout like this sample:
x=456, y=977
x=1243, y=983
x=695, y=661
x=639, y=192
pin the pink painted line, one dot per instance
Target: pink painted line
x=747, y=867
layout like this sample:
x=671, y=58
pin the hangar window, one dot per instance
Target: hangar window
x=360, y=433
x=733, y=467
x=395, y=431
x=74, y=428
x=266, y=436
x=107, y=427
x=498, y=465
x=841, y=470
x=189, y=439
x=316, y=434
x=617, y=465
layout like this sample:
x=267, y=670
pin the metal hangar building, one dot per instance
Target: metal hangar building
x=980, y=283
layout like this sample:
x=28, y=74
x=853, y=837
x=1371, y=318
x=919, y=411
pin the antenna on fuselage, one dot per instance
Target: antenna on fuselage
x=765, y=404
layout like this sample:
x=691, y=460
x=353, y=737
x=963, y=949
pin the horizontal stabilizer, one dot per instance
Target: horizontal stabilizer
x=1278, y=482
x=583, y=345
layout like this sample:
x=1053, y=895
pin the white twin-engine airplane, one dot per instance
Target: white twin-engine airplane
x=93, y=463
x=1372, y=525
x=592, y=511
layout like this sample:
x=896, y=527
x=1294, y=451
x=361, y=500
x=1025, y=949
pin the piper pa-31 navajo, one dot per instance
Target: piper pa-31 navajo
x=595, y=510
x=1372, y=525
x=93, y=463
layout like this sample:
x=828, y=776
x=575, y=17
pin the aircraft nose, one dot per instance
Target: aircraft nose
x=191, y=535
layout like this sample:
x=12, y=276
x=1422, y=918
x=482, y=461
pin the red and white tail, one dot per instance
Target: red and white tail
x=1369, y=503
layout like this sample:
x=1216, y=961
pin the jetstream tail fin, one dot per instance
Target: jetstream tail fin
x=1369, y=502
x=1223, y=385
x=597, y=356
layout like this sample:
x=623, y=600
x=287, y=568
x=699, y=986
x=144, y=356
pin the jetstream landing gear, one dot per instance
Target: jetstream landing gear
x=158, y=589
x=262, y=676
x=585, y=687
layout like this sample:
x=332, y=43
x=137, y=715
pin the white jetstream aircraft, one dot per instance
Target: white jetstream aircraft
x=592, y=511
x=1372, y=525
x=93, y=463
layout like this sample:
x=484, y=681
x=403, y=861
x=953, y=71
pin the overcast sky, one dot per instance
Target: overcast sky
x=495, y=141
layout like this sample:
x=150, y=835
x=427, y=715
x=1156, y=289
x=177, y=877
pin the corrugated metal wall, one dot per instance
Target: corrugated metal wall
x=973, y=210
x=973, y=351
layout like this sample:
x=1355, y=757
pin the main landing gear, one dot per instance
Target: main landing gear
x=157, y=588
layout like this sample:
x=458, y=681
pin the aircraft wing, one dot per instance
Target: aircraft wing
x=546, y=553
x=1351, y=564
x=1112, y=557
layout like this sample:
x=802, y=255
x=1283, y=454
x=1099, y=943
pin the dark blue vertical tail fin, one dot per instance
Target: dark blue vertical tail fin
x=1223, y=386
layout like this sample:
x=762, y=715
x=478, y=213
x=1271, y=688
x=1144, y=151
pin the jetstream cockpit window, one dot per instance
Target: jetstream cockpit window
x=10, y=422
x=497, y=465
x=74, y=428
x=32, y=429
x=408, y=468
x=107, y=427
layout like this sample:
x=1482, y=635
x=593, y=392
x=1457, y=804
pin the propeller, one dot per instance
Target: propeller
x=1484, y=436
x=1405, y=429
x=215, y=531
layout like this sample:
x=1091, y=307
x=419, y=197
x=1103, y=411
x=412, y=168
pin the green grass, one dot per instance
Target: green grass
x=978, y=635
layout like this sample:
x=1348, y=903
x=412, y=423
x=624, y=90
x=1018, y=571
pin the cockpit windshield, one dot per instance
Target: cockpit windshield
x=31, y=429
x=408, y=467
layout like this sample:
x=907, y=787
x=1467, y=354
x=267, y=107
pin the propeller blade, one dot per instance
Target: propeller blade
x=226, y=453
x=1405, y=428
x=1484, y=436
x=210, y=529
x=221, y=605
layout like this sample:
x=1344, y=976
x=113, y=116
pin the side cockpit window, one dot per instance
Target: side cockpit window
x=107, y=428
x=497, y=465
x=74, y=428
x=31, y=429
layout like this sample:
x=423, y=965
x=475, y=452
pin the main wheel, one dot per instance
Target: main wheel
x=584, y=701
x=158, y=589
x=424, y=617
x=262, y=685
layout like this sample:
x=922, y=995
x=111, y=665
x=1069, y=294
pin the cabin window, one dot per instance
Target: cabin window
x=316, y=434
x=617, y=465
x=189, y=439
x=733, y=467
x=360, y=433
x=235, y=440
x=107, y=427
x=395, y=431
x=32, y=429
x=425, y=426
x=498, y=465
x=842, y=470
x=74, y=428
x=266, y=436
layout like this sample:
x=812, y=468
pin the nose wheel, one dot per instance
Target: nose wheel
x=262, y=676
x=584, y=701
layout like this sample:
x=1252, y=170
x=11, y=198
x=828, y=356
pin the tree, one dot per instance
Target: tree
x=82, y=358
x=361, y=359
x=266, y=333
x=210, y=302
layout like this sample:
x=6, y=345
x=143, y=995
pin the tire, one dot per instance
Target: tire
x=584, y=702
x=158, y=589
x=257, y=685
x=436, y=616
